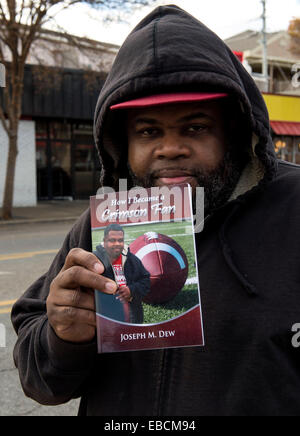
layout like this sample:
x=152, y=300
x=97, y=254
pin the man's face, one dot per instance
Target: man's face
x=114, y=243
x=181, y=143
x=172, y=142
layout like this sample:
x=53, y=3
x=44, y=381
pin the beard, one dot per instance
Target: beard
x=218, y=183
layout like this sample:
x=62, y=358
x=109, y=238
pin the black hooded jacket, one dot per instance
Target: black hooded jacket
x=248, y=258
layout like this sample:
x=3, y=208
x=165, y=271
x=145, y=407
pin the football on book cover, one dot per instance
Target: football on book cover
x=145, y=240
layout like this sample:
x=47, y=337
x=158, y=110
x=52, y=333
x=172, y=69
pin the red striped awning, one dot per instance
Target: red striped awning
x=286, y=128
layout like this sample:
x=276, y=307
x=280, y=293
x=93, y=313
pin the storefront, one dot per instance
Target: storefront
x=67, y=166
x=284, y=114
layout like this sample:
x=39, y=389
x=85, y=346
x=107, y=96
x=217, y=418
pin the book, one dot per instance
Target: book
x=145, y=240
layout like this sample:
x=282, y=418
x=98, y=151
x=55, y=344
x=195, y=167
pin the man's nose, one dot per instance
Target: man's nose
x=171, y=146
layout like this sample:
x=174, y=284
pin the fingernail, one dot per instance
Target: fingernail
x=98, y=268
x=110, y=286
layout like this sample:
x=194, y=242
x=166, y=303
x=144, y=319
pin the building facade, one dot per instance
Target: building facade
x=57, y=157
x=66, y=165
x=282, y=89
x=284, y=113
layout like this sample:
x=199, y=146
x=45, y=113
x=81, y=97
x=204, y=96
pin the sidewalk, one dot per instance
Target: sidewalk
x=47, y=211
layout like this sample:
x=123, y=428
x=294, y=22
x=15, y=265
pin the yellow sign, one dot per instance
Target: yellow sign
x=283, y=107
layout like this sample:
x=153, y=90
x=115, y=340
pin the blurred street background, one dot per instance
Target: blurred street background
x=27, y=248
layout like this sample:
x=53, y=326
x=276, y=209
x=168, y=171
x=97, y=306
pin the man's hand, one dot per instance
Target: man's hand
x=71, y=301
x=124, y=294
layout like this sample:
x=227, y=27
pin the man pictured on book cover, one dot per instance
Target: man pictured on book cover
x=132, y=279
x=179, y=107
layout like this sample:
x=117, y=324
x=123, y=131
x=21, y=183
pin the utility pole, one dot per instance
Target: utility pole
x=265, y=48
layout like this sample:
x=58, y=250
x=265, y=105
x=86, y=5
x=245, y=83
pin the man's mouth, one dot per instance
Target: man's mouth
x=173, y=177
x=174, y=180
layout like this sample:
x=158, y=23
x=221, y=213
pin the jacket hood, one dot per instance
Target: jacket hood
x=171, y=51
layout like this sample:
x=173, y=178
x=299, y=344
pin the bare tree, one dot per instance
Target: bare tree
x=20, y=24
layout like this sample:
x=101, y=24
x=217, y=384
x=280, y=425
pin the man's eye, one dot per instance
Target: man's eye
x=196, y=128
x=148, y=132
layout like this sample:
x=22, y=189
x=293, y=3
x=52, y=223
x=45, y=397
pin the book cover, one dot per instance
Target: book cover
x=145, y=240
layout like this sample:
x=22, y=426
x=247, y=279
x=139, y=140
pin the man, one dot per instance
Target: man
x=248, y=266
x=128, y=272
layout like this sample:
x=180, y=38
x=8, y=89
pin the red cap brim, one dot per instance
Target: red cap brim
x=157, y=100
